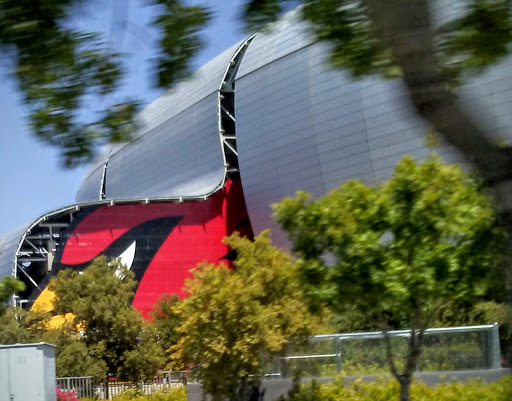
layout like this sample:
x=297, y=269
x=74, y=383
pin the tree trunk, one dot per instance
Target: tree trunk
x=413, y=355
x=106, y=388
x=405, y=387
x=243, y=390
x=406, y=27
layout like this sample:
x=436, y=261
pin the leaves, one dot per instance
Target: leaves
x=113, y=331
x=425, y=236
x=478, y=38
x=399, y=252
x=8, y=287
x=62, y=72
x=57, y=69
x=468, y=43
x=235, y=321
x=258, y=13
x=382, y=390
x=166, y=321
x=181, y=41
x=347, y=26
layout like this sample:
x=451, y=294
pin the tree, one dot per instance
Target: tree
x=20, y=326
x=8, y=287
x=166, y=321
x=398, y=251
x=72, y=357
x=60, y=69
x=236, y=321
x=112, y=330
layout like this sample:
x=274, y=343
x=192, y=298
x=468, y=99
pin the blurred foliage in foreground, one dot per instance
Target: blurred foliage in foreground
x=64, y=74
x=68, y=77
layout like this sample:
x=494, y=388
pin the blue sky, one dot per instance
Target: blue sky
x=32, y=180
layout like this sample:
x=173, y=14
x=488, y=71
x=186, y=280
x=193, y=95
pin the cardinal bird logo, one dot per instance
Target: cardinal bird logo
x=160, y=242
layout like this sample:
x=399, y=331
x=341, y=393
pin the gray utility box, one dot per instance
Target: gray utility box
x=27, y=372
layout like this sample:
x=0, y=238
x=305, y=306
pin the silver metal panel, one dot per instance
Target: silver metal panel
x=281, y=39
x=302, y=125
x=288, y=126
x=180, y=157
x=275, y=118
x=8, y=247
x=169, y=131
x=90, y=189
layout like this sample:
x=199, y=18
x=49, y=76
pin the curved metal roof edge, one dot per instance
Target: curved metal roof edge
x=144, y=200
x=109, y=149
x=108, y=202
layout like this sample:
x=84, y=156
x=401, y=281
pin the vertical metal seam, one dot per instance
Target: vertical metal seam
x=228, y=80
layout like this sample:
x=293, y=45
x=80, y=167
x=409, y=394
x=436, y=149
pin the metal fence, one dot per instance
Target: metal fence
x=82, y=385
x=444, y=349
x=106, y=389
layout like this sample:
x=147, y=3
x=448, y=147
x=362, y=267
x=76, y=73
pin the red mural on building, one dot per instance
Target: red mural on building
x=166, y=239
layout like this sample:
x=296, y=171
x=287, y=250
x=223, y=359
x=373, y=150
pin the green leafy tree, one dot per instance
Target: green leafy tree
x=166, y=321
x=396, y=252
x=72, y=356
x=236, y=320
x=112, y=330
x=8, y=287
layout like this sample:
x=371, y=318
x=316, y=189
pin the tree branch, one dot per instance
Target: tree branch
x=406, y=28
x=389, y=355
x=415, y=342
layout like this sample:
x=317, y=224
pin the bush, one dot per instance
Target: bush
x=176, y=394
x=475, y=390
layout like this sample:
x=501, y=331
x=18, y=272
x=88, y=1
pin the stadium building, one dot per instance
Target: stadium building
x=260, y=121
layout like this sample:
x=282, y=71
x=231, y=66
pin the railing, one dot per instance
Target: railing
x=106, y=389
x=82, y=385
x=444, y=349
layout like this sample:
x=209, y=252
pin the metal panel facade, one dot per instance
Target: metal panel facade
x=91, y=187
x=176, y=151
x=304, y=126
x=180, y=157
x=299, y=125
x=8, y=246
